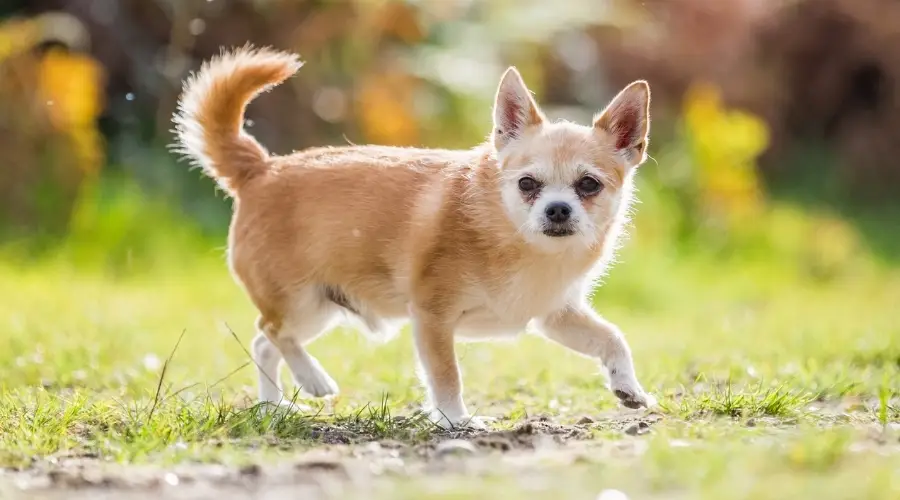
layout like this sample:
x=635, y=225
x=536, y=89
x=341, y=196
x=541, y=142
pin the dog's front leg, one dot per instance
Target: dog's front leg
x=440, y=372
x=581, y=329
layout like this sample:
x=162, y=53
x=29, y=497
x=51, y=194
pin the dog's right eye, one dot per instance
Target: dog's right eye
x=527, y=184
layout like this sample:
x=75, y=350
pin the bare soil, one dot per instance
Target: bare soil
x=342, y=464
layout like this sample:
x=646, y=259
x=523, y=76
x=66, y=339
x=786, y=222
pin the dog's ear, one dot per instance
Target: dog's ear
x=627, y=120
x=514, y=109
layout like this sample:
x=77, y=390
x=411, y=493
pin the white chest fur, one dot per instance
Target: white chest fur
x=504, y=309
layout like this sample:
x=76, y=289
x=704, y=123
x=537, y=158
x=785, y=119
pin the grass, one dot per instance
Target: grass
x=773, y=380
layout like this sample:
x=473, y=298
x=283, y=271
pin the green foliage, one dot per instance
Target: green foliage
x=118, y=227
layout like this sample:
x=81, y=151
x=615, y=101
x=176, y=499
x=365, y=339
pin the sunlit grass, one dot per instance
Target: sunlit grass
x=761, y=365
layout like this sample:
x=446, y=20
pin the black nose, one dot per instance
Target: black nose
x=558, y=211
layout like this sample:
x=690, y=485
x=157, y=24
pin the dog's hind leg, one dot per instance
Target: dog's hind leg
x=309, y=316
x=267, y=359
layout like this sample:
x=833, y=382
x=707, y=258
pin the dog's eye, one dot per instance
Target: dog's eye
x=588, y=185
x=527, y=184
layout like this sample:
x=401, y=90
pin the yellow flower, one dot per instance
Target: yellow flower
x=17, y=36
x=72, y=85
x=725, y=145
x=386, y=110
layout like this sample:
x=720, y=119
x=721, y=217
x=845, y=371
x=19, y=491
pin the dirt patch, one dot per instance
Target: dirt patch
x=364, y=468
x=340, y=463
x=527, y=435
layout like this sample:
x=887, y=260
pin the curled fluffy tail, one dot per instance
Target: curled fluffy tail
x=210, y=116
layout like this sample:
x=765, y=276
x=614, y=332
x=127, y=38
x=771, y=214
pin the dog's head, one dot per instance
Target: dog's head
x=564, y=185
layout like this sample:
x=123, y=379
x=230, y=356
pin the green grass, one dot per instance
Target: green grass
x=773, y=380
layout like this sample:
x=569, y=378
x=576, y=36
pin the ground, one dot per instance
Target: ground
x=775, y=381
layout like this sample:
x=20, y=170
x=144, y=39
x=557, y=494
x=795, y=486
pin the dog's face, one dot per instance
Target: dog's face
x=563, y=184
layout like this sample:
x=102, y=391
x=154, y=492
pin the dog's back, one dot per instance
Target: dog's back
x=341, y=219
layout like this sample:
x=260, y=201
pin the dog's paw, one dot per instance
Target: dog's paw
x=477, y=423
x=632, y=395
x=635, y=400
x=284, y=406
x=318, y=386
x=316, y=382
x=444, y=421
x=460, y=421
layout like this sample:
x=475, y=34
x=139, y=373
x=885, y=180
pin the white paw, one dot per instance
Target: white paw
x=284, y=406
x=316, y=382
x=479, y=423
x=630, y=393
x=459, y=421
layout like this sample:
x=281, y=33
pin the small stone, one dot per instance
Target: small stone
x=391, y=444
x=751, y=422
x=585, y=420
x=612, y=495
x=455, y=447
x=526, y=428
x=251, y=470
x=319, y=465
x=638, y=429
x=171, y=479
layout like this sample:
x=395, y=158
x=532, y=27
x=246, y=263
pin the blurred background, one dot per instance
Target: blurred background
x=763, y=254
x=775, y=135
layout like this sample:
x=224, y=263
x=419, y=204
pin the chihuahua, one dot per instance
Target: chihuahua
x=473, y=244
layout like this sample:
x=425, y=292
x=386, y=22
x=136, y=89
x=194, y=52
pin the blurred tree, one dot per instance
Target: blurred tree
x=824, y=72
x=423, y=73
x=49, y=102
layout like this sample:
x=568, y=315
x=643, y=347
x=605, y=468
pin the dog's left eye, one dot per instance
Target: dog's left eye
x=589, y=185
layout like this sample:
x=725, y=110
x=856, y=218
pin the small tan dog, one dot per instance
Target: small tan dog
x=476, y=244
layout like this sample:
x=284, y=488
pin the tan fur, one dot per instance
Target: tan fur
x=211, y=112
x=388, y=233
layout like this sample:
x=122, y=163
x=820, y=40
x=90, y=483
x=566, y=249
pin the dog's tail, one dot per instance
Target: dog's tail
x=209, y=120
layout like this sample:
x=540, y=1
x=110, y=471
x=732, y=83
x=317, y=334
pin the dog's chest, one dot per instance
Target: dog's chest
x=505, y=308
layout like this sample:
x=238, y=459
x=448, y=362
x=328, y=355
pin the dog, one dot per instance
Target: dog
x=490, y=242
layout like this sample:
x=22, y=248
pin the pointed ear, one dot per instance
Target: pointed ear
x=627, y=121
x=514, y=109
